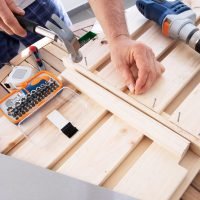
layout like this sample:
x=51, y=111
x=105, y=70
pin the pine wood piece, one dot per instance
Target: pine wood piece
x=135, y=20
x=191, y=162
x=154, y=38
x=132, y=158
x=26, y=53
x=181, y=66
x=196, y=182
x=53, y=61
x=95, y=160
x=3, y=92
x=191, y=194
x=80, y=33
x=83, y=24
x=195, y=146
x=48, y=142
x=5, y=71
x=129, y=114
x=49, y=68
x=112, y=76
x=187, y=115
x=152, y=177
x=10, y=135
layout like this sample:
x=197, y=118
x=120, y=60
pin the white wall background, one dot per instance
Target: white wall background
x=71, y=4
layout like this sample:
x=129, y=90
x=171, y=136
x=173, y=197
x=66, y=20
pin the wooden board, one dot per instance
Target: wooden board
x=170, y=90
x=187, y=114
x=103, y=152
x=151, y=172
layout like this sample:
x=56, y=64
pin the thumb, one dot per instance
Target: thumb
x=14, y=8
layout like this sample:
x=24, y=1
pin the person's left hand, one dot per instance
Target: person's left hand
x=136, y=62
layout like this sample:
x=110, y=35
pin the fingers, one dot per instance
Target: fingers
x=14, y=8
x=128, y=77
x=5, y=28
x=9, y=20
x=149, y=70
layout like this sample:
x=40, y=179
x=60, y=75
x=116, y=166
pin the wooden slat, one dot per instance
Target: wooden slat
x=10, y=135
x=53, y=61
x=3, y=92
x=5, y=71
x=126, y=112
x=25, y=53
x=101, y=53
x=83, y=24
x=196, y=182
x=187, y=115
x=31, y=61
x=132, y=158
x=95, y=160
x=191, y=162
x=181, y=67
x=80, y=33
x=153, y=177
x=191, y=194
x=54, y=144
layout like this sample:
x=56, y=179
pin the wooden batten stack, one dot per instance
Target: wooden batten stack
x=127, y=143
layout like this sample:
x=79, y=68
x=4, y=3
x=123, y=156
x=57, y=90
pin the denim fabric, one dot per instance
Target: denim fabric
x=40, y=11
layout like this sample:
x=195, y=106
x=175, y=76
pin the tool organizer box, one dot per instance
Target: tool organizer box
x=147, y=146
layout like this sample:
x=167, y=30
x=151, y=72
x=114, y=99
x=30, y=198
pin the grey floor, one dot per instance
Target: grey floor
x=85, y=12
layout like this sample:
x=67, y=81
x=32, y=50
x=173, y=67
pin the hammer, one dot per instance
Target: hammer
x=55, y=31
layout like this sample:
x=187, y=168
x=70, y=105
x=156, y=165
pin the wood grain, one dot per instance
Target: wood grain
x=49, y=143
x=187, y=114
x=129, y=114
x=191, y=194
x=153, y=177
x=95, y=160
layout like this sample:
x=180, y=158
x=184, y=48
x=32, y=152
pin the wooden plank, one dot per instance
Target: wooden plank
x=10, y=135
x=181, y=67
x=95, y=160
x=83, y=24
x=191, y=194
x=196, y=182
x=50, y=59
x=195, y=146
x=101, y=53
x=3, y=92
x=25, y=53
x=80, y=33
x=31, y=61
x=152, y=176
x=187, y=115
x=55, y=144
x=132, y=158
x=191, y=162
x=129, y=114
x=135, y=20
x=5, y=71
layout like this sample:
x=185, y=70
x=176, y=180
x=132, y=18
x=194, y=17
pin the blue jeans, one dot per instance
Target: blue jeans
x=40, y=11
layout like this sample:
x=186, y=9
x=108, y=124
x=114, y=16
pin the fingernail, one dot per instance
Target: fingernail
x=131, y=87
x=20, y=11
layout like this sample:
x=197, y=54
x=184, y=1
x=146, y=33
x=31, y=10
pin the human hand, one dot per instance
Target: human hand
x=136, y=62
x=8, y=22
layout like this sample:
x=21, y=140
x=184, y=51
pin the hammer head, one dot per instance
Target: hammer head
x=66, y=36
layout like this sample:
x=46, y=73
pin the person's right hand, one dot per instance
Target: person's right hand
x=8, y=22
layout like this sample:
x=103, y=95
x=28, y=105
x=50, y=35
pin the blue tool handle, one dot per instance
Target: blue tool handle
x=157, y=10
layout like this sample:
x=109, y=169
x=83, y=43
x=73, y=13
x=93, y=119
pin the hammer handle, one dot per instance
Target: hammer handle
x=27, y=24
